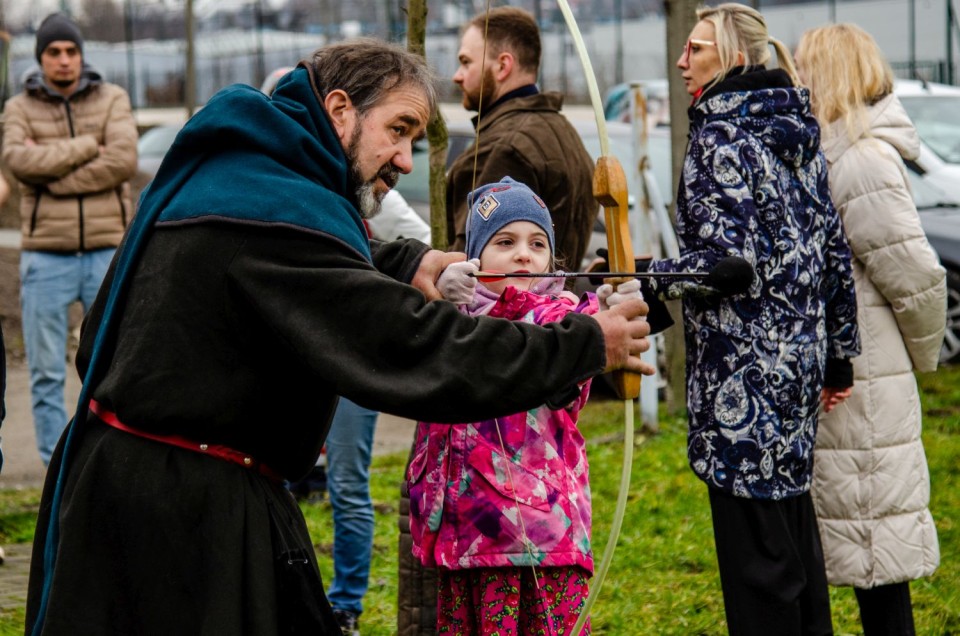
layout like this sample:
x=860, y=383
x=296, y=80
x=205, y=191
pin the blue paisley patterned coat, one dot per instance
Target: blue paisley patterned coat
x=754, y=185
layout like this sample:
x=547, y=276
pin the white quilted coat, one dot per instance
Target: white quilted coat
x=871, y=484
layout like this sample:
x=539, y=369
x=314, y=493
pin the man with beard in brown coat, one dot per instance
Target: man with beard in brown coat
x=520, y=132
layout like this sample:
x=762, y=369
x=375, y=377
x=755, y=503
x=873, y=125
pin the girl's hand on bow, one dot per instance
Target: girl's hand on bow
x=609, y=297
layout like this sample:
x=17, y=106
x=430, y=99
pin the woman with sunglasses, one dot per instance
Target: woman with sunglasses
x=754, y=185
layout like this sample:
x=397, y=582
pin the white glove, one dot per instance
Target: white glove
x=625, y=291
x=456, y=284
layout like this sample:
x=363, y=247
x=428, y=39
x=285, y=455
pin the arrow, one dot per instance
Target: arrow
x=485, y=276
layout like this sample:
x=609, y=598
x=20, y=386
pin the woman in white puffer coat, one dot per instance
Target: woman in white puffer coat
x=871, y=485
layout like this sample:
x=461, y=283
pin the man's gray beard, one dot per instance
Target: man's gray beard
x=368, y=200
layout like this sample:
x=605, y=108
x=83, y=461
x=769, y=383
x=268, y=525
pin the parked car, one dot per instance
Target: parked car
x=940, y=218
x=934, y=110
x=152, y=146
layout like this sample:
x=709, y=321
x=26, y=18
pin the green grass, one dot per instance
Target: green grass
x=663, y=579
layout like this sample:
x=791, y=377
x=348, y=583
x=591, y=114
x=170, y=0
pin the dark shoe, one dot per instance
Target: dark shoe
x=349, y=622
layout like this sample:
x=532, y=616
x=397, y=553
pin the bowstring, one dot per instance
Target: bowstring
x=527, y=544
x=476, y=134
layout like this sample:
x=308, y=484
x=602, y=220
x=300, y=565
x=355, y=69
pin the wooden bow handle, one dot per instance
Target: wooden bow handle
x=610, y=190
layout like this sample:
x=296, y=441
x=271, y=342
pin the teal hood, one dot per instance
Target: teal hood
x=250, y=158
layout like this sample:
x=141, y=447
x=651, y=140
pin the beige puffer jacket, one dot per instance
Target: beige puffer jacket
x=73, y=196
x=871, y=484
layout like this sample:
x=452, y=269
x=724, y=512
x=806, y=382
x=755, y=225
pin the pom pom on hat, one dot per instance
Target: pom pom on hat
x=495, y=205
x=56, y=27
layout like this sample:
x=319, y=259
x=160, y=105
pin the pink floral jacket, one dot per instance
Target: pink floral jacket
x=513, y=491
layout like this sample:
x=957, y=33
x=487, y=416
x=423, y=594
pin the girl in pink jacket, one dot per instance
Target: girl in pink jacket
x=502, y=506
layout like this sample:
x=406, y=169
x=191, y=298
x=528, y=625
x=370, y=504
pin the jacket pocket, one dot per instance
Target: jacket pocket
x=426, y=480
x=511, y=480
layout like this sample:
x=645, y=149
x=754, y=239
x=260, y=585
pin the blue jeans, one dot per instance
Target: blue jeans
x=49, y=284
x=349, y=447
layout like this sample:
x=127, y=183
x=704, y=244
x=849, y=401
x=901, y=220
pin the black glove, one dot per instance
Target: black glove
x=732, y=275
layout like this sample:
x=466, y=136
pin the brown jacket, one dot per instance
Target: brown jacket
x=527, y=138
x=74, y=190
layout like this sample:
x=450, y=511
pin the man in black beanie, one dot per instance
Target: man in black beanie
x=57, y=27
x=70, y=140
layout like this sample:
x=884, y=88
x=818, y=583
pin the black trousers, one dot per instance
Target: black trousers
x=886, y=610
x=771, y=566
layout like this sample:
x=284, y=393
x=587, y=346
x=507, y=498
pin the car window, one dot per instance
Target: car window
x=936, y=120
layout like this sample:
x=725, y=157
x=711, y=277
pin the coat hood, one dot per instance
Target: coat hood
x=885, y=120
x=769, y=108
x=485, y=298
x=34, y=84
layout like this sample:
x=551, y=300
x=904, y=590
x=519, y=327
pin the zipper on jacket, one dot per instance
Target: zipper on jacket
x=66, y=104
x=36, y=211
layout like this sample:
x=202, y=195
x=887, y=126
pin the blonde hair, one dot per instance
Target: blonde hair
x=741, y=29
x=845, y=72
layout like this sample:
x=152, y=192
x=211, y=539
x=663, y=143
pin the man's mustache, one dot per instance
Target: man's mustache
x=389, y=175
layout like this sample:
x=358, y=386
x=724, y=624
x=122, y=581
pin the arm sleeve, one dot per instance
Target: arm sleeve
x=727, y=206
x=885, y=235
x=117, y=162
x=843, y=336
x=398, y=259
x=378, y=343
x=44, y=162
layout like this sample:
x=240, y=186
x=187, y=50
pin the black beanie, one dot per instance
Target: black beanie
x=54, y=27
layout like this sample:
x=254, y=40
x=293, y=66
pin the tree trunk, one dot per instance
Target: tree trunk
x=436, y=132
x=680, y=19
x=417, y=586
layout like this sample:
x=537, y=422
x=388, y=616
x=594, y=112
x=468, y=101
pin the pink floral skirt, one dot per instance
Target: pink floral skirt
x=502, y=601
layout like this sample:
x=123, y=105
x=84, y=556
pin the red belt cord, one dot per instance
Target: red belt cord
x=216, y=450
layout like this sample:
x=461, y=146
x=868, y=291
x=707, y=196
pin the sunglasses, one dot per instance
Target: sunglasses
x=688, y=47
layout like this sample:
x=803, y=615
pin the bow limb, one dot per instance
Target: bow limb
x=610, y=190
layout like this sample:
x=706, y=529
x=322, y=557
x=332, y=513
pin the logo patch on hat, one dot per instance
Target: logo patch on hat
x=487, y=206
x=539, y=200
